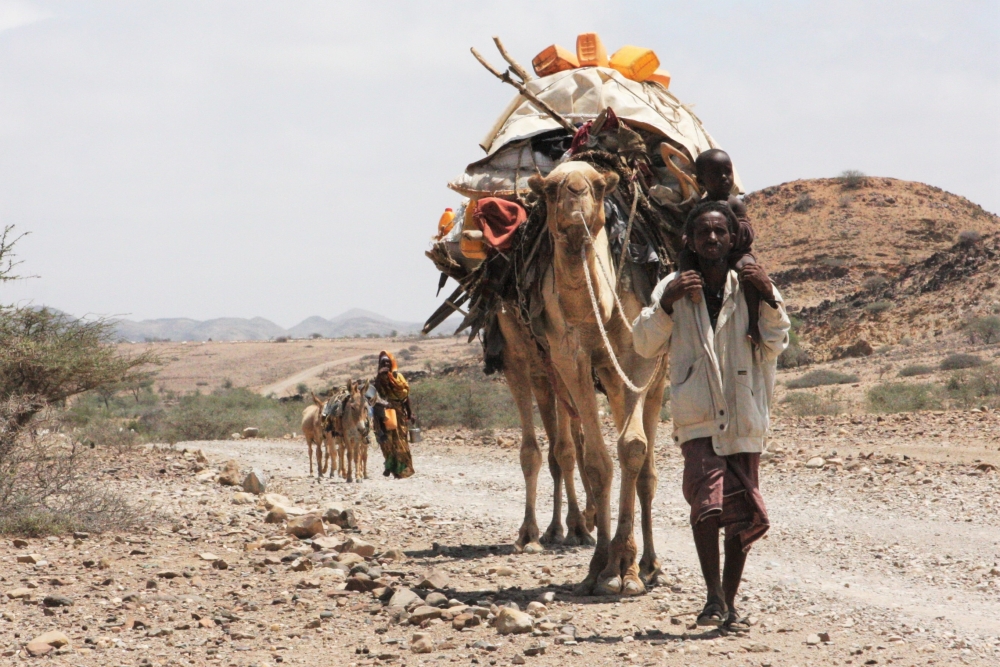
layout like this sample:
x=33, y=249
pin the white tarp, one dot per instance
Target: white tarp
x=579, y=95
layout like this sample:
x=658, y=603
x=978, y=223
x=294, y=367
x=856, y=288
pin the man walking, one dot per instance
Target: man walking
x=720, y=395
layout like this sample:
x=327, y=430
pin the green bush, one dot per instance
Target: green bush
x=794, y=356
x=471, y=400
x=914, y=370
x=879, y=306
x=977, y=388
x=903, y=397
x=804, y=403
x=984, y=329
x=820, y=378
x=852, y=179
x=960, y=360
x=804, y=202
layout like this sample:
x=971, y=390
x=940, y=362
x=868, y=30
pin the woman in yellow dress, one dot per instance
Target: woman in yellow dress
x=393, y=395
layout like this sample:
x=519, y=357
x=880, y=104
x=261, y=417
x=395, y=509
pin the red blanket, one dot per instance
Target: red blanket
x=499, y=219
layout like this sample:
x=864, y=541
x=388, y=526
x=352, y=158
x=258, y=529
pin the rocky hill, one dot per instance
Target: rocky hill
x=946, y=298
x=821, y=239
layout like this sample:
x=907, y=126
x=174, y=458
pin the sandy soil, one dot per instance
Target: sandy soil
x=894, y=557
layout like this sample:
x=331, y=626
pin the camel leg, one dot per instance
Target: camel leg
x=519, y=383
x=554, y=534
x=590, y=512
x=575, y=372
x=649, y=566
x=621, y=576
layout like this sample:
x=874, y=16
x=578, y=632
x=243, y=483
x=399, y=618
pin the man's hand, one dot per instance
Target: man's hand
x=756, y=276
x=686, y=284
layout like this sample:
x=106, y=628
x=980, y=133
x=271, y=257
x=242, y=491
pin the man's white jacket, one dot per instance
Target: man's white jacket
x=718, y=387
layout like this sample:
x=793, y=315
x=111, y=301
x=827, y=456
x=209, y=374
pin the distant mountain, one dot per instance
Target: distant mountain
x=355, y=322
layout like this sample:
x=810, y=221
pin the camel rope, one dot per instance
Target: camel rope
x=604, y=333
x=607, y=277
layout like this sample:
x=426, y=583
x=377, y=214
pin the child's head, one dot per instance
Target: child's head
x=714, y=170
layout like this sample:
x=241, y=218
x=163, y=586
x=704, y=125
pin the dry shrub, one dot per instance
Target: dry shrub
x=806, y=404
x=903, y=397
x=822, y=377
x=852, y=179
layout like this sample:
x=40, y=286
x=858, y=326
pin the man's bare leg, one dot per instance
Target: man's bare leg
x=706, y=541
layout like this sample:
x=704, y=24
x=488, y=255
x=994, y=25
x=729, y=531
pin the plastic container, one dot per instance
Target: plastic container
x=471, y=248
x=590, y=51
x=662, y=77
x=446, y=222
x=635, y=62
x=554, y=59
x=390, y=419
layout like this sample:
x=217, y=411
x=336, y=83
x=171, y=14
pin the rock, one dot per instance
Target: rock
x=275, y=544
x=244, y=498
x=255, y=482
x=272, y=500
x=57, y=601
x=512, y=622
x=424, y=613
x=421, y=642
x=436, y=579
x=47, y=642
x=402, y=598
x=326, y=542
x=436, y=599
x=816, y=462
x=341, y=516
x=19, y=594
x=349, y=559
x=276, y=515
x=757, y=648
x=465, y=620
x=250, y=432
x=537, y=609
x=230, y=475
x=362, y=583
x=395, y=555
x=301, y=565
x=306, y=526
x=33, y=559
x=208, y=555
x=218, y=564
x=547, y=597
x=168, y=574
x=518, y=660
x=502, y=571
x=20, y=544
x=358, y=546
x=823, y=636
x=205, y=477
x=537, y=649
x=813, y=640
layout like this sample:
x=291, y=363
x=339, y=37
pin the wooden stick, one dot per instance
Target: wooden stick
x=514, y=65
x=507, y=78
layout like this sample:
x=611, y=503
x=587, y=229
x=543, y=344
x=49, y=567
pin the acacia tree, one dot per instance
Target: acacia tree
x=47, y=357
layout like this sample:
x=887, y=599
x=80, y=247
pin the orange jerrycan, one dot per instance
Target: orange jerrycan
x=590, y=50
x=635, y=62
x=471, y=243
x=446, y=222
x=661, y=76
x=554, y=59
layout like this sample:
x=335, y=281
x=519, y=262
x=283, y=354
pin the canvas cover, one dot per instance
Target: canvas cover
x=581, y=94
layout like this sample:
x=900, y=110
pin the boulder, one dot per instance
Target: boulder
x=340, y=516
x=422, y=643
x=230, y=475
x=57, y=601
x=244, y=498
x=272, y=500
x=436, y=579
x=255, y=482
x=305, y=526
x=276, y=515
x=436, y=599
x=326, y=542
x=250, y=432
x=424, y=613
x=402, y=598
x=45, y=643
x=358, y=546
x=512, y=622
x=349, y=559
x=395, y=555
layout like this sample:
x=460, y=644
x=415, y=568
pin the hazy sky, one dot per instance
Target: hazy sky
x=288, y=159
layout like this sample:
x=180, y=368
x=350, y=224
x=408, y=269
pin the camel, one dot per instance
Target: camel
x=348, y=427
x=312, y=429
x=528, y=372
x=579, y=285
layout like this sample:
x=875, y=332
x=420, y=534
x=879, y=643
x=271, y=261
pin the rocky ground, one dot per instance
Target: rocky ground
x=884, y=549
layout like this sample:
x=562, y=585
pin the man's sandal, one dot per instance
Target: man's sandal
x=713, y=615
x=736, y=623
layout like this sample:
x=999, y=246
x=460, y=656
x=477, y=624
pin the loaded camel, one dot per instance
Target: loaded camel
x=588, y=329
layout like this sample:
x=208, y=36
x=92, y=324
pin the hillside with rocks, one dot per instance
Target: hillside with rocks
x=821, y=239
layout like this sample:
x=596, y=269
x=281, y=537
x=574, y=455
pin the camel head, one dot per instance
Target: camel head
x=574, y=196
